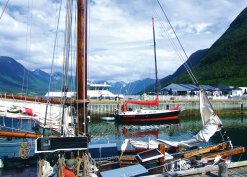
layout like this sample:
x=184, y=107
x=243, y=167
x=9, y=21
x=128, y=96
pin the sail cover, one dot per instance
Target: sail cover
x=211, y=124
x=154, y=102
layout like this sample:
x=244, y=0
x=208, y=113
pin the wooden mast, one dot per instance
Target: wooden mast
x=82, y=65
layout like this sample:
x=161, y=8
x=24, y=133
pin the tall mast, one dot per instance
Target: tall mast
x=155, y=60
x=82, y=65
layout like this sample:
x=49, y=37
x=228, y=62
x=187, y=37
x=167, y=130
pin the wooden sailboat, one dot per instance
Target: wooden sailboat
x=48, y=112
x=68, y=117
x=53, y=113
x=72, y=148
x=145, y=115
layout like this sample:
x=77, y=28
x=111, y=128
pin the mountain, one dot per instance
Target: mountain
x=191, y=62
x=132, y=88
x=41, y=74
x=225, y=61
x=14, y=78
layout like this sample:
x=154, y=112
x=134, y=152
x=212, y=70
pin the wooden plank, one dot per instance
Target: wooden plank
x=204, y=150
x=225, y=153
x=207, y=169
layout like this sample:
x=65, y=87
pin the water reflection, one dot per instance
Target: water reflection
x=234, y=128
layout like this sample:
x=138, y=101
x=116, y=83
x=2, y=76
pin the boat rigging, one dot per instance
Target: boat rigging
x=148, y=115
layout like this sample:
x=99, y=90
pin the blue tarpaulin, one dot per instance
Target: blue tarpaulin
x=133, y=170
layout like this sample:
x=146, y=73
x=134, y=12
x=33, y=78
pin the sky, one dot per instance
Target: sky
x=120, y=36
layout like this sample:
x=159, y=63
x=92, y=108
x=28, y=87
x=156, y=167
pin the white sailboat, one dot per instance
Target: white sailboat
x=211, y=124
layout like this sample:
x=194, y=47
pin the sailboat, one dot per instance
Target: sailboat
x=145, y=115
x=67, y=117
x=188, y=156
x=70, y=147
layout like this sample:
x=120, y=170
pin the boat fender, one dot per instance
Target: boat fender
x=24, y=150
x=45, y=168
x=1, y=163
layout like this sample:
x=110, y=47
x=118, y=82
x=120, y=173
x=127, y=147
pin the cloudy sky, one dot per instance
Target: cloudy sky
x=120, y=34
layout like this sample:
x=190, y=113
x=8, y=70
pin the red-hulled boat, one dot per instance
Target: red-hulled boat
x=147, y=115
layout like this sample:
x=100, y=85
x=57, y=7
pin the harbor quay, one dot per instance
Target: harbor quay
x=108, y=107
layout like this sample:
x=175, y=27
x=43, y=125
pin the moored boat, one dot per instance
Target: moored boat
x=147, y=114
x=73, y=150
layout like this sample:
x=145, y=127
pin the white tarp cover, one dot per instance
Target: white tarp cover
x=211, y=124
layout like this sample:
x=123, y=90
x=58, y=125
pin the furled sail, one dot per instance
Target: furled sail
x=211, y=124
x=154, y=102
x=21, y=109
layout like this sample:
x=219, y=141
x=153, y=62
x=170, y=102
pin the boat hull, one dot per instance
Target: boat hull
x=150, y=117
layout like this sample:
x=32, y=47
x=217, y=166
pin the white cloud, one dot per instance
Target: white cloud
x=120, y=34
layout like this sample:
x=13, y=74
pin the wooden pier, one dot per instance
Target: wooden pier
x=234, y=169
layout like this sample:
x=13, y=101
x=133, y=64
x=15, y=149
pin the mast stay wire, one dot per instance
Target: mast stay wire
x=174, y=46
x=189, y=70
x=29, y=45
x=51, y=69
x=67, y=51
x=6, y=4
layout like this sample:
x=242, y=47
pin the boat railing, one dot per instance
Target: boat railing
x=173, y=166
x=173, y=97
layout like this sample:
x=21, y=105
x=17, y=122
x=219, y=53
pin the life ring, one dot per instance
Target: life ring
x=14, y=109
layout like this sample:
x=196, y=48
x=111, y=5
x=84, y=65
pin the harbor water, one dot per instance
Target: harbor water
x=101, y=131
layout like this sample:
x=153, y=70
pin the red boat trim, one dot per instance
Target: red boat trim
x=130, y=119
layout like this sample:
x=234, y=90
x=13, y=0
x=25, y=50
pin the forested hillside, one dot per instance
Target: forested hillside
x=226, y=59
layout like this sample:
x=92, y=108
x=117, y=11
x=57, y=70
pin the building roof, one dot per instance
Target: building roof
x=180, y=87
x=188, y=87
x=222, y=87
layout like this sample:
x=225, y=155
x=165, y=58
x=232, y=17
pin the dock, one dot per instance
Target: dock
x=234, y=169
x=107, y=107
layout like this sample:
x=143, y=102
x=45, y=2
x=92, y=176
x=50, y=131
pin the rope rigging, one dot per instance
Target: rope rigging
x=4, y=8
x=51, y=69
x=189, y=70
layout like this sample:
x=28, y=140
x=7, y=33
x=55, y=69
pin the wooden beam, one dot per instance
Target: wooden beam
x=225, y=153
x=206, y=169
x=19, y=134
x=69, y=101
x=205, y=150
